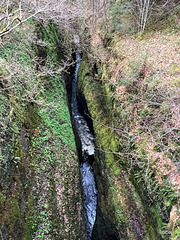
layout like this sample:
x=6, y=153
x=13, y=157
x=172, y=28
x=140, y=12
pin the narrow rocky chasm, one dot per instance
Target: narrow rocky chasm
x=94, y=154
x=86, y=139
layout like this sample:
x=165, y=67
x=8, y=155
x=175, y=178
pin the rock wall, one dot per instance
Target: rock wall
x=40, y=189
x=127, y=208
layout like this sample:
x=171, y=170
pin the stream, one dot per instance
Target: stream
x=87, y=148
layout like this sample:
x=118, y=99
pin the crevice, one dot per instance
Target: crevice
x=84, y=136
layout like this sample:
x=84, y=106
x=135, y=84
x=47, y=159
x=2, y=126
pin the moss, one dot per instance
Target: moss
x=2, y=200
x=157, y=216
x=3, y=70
x=31, y=218
x=12, y=216
x=53, y=50
x=26, y=113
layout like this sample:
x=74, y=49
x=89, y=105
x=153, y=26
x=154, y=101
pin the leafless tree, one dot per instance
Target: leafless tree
x=15, y=12
x=142, y=10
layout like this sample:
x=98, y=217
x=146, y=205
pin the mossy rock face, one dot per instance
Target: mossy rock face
x=40, y=189
x=123, y=211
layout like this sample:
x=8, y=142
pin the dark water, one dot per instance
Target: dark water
x=87, y=145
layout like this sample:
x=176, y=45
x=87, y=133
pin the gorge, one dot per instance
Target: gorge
x=89, y=120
